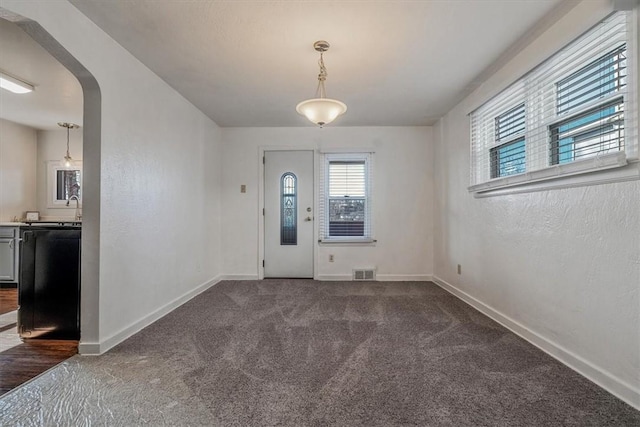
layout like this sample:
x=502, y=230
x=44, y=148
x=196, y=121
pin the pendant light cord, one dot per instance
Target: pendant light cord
x=68, y=142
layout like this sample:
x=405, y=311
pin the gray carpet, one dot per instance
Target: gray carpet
x=304, y=353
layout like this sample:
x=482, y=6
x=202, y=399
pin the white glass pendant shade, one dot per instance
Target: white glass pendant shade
x=67, y=162
x=321, y=111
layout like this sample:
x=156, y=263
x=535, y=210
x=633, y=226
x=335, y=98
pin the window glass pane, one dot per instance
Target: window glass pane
x=67, y=184
x=597, y=131
x=288, y=210
x=346, y=217
x=508, y=159
x=605, y=75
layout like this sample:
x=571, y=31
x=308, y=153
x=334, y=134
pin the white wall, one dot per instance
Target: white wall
x=52, y=145
x=402, y=199
x=561, y=267
x=17, y=170
x=159, y=190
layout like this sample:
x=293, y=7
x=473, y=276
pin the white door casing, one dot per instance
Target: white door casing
x=283, y=258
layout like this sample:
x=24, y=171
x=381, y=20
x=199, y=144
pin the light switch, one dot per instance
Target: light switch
x=243, y=188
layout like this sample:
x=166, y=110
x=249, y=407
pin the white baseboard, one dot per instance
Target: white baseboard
x=379, y=277
x=95, y=349
x=345, y=277
x=599, y=376
x=334, y=277
x=89, y=349
x=404, y=277
x=239, y=277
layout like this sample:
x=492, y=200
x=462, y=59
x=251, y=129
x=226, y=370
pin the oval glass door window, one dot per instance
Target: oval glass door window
x=288, y=209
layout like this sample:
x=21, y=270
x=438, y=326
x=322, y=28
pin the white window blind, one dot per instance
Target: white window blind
x=485, y=127
x=347, y=179
x=345, y=213
x=509, y=157
x=577, y=107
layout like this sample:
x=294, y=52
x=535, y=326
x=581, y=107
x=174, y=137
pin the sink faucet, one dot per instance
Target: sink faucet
x=78, y=215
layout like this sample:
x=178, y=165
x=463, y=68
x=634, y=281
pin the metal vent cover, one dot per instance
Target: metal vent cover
x=364, y=274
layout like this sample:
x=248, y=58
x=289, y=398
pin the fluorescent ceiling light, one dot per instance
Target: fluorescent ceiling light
x=14, y=85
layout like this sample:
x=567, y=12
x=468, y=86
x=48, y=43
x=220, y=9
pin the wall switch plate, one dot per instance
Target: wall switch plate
x=331, y=258
x=459, y=269
x=243, y=188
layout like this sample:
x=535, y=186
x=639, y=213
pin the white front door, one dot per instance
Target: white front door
x=288, y=214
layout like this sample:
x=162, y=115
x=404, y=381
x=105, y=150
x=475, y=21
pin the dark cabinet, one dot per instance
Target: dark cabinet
x=49, y=287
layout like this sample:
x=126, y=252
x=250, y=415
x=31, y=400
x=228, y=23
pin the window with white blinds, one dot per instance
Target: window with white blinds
x=509, y=157
x=574, y=113
x=346, y=198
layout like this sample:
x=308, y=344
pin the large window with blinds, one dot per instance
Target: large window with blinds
x=573, y=114
x=347, y=200
x=600, y=129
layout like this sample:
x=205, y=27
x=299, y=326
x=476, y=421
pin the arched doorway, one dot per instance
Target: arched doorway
x=91, y=131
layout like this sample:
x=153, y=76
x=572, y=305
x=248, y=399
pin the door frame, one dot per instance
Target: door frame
x=261, y=227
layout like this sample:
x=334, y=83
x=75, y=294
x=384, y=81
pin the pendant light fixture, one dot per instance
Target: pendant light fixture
x=67, y=162
x=321, y=110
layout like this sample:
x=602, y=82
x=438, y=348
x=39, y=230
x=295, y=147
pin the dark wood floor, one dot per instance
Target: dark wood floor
x=32, y=357
x=8, y=300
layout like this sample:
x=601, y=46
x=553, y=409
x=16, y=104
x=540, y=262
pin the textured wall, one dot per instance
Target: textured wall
x=563, y=264
x=402, y=198
x=159, y=189
x=17, y=170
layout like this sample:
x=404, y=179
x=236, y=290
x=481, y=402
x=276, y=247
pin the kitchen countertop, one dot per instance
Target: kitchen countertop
x=41, y=222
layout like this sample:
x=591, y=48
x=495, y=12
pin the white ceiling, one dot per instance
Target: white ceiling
x=57, y=96
x=248, y=63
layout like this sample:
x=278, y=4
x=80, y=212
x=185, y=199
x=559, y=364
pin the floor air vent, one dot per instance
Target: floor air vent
x=364, y=274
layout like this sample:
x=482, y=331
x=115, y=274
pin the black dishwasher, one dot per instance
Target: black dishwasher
x=49, y=285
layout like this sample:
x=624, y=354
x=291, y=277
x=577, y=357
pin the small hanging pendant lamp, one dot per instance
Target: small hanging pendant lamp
x=67, y=162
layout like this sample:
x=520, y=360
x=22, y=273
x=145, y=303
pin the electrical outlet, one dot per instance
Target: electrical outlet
x=243, y=188
x=331, y=258
x=459, y=269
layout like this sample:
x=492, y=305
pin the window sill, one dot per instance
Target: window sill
x=609, y=168
x=347, y=242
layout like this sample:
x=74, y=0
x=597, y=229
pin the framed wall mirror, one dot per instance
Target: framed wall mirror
x=63, y=183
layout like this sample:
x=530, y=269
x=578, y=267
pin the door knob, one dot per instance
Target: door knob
x=308, y=209
x=308, y=218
